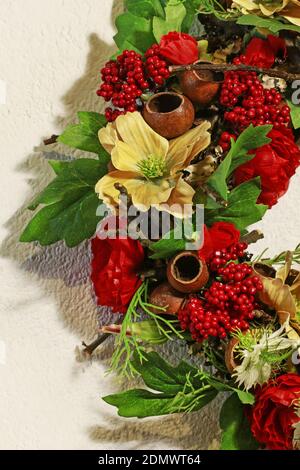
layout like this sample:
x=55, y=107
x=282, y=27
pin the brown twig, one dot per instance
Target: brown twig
x=90, y=348
x=215, y=196
x=289, y=77
x=52, y=140
x=252, y=237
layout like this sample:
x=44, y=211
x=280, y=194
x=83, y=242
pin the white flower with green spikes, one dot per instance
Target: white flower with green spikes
x=259, y=354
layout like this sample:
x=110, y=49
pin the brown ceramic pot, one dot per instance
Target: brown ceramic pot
x=200, y=86
x=187, y=273
x=169, y=114
x=165, y=296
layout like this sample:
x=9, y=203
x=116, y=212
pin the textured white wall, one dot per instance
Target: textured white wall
x=50, y=55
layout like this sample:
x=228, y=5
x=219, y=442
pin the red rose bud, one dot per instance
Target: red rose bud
x=263, y=52
x=114, y=271
x=179, y=48
x=274, y=416
x=220, y=235
x=275, y=163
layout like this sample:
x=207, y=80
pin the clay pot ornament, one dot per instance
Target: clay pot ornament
x=165, y=296
x=187, y=273
x=169, y=114
x=200, y=86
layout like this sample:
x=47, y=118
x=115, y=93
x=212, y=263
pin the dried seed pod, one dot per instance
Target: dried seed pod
x=187, y=273
x=165, y=296
x=200, y=86
x=169, y=114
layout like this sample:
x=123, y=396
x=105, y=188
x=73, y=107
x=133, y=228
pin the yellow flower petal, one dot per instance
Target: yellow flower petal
x=125, y=158
x=108, y=136
x=180, y=202
x=194, y=141
x=135, y=132
x=143, y=193
x=248, y=4
x=148, y=193
x=105, y=187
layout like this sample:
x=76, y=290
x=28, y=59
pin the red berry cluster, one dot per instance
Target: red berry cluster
x=156, y=67
x=228, y=303
x=250, y=102
x=126, y=78
x=225, y=140
x=222, y=257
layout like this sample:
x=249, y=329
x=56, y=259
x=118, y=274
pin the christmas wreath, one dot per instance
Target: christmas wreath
x=197, y=142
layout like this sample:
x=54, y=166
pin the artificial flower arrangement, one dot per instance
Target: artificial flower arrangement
x=199, y=113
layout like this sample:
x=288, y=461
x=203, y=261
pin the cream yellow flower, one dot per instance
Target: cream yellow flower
x=288, y=9
x=148, y=165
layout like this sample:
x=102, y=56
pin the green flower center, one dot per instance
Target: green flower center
x=152, y=167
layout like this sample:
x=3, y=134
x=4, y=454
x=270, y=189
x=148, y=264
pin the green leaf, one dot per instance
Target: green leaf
x=251, y=138
x=191, y=7
x=145, y=8
x=84, y=136
x=246, y=398
x=139, y=403
x=161, y=376
x=147, y=331
x=126, y=45
x=175, y=13
x=182, y=388
x=295, y=114
x=235, y=426
x=268, y=23
x=168, y=246
x=135, y=30
x=242, y=208
x=70, y=205
x=218, y=181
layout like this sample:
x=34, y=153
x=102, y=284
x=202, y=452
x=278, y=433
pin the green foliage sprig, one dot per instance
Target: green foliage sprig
x=133, y=340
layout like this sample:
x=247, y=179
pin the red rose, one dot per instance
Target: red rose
x=275, y=163
x=263, y=52
x=114, y=266
x=220, y=235
x=179, y=48
x=274, y=414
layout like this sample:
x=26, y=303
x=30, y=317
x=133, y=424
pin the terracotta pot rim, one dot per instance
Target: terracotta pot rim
x=150, y=111
x=196, y=72
x=182, y=255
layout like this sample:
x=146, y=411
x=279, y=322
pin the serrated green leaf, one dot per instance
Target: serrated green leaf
x=251, y=138
x=139, y=403
x=295, y=114
x=235, y=426
x=175, y=13
x=191, y=7
x=242, y=208
x=145, y=8
x=161, y=376
x=180, y=388
x=135, y=30
x=84, y=136
x=273, y=25
x=70, y=205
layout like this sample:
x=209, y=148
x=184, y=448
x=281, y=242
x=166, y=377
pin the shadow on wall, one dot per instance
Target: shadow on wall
x=64, y=274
